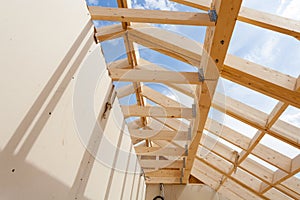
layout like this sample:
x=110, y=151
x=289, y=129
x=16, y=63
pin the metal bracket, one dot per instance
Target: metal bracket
x=194, y=110
x=111, y=98
x=213, y=16
x=189, y=136
x=186, y=150
x=201, y=75
x=95, y=38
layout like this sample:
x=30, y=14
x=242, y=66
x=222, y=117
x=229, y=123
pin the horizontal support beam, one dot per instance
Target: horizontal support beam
x=155, y=111
x=159, y=98
x=168, y=43
x=258, y=119
x=246, y=187
x=263, y=152
x=137, y=75
x=161, y=163
x=258, y=18
x=267, y=81
x=109, y=32
x=125, y=91
x=261, y=79
x=150, y=16
x=163, y=173
x=269, y=21
x=159, y=134
x=164, y=180
x=158, y=151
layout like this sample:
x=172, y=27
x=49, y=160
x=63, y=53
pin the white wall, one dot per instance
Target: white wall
x=45, y=49
x=183, y=192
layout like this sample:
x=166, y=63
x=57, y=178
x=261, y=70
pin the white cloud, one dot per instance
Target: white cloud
x=270, y=48
x=292, y=116
x=92, y=2
x=289, y=9
x=265, y=53
x=155, y=5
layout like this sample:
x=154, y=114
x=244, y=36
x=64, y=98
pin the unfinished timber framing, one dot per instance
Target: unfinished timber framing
x=169, y=137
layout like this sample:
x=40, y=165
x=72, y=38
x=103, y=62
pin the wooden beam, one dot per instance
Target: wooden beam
x=214, y=52
x=269, y=21
x=263, y=152
x=227, y=133
x=164, y=180
x=120, y=64
x=293, y=184
x=125, y=91
x=174, y=124
x=286, y=132
x=238, y=70
x=136, y=124
x=159, y=98
x=161, y=163
x=155, y=111
x=188, y=90
x=261, y=79
x=276, y=113
x=252, y=193
x=248, y=164
x=211, y=176
x=159, y=134
x=286, y=190
x=168, y=43
x=163, y=173
x=109, y=32
x=133, y=75
x=150, y=16
x=258, y=18
x=158, y=151
x=258, y=119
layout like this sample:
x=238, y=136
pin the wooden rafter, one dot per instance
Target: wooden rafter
x=267, y=81
x=133, y=75
x=150, y=16
x=214, y=51
x=258, y=18
x=155, y=111
x=159, y=134
x=232, y=173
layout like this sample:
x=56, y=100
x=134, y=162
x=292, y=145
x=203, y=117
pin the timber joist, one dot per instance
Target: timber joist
x=171, y=141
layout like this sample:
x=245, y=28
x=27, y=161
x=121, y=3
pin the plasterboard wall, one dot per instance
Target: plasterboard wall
x=45, y=49
x=183, y=192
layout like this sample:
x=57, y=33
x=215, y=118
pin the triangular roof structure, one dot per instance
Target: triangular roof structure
x=183, y=137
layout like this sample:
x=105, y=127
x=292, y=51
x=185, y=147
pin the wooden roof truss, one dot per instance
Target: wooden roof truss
x=160, y=135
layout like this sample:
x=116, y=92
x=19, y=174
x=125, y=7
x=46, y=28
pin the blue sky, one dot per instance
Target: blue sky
x=277, y=51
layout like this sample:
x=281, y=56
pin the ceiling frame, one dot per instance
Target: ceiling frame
x=231, y=173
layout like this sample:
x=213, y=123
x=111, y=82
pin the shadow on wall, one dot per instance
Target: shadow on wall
x=19, y=179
